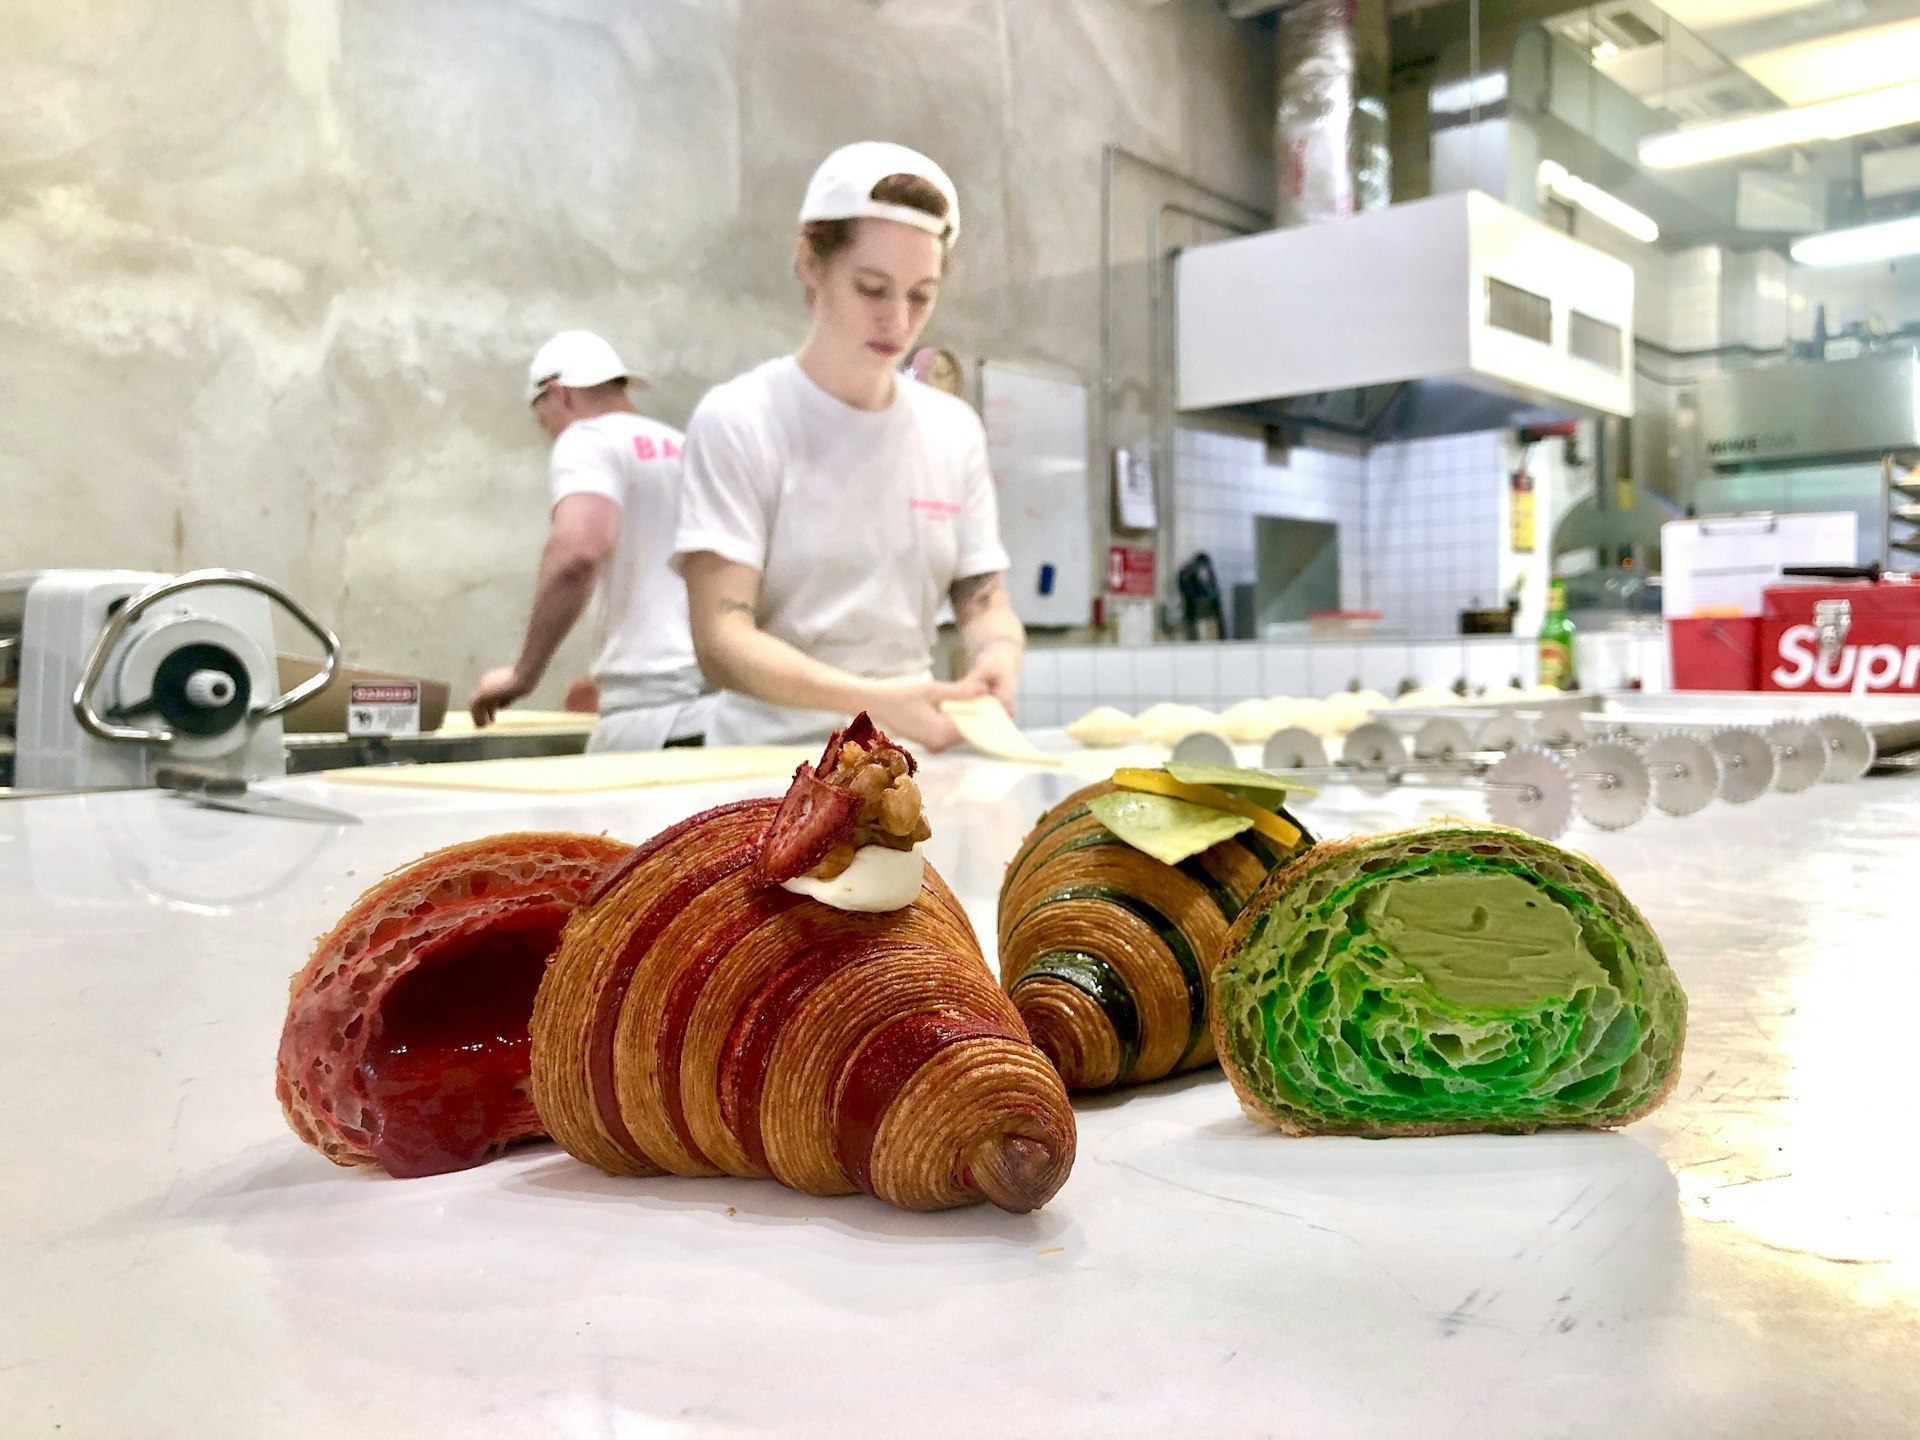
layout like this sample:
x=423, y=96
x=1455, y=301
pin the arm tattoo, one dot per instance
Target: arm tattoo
x=974, y=596
x=731, y=606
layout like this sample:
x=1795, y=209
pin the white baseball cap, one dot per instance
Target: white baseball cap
x=577, y=358
x=842, y=188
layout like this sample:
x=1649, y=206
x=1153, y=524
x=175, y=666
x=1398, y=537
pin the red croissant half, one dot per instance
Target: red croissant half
x=699, y=1020
x=405, y=1044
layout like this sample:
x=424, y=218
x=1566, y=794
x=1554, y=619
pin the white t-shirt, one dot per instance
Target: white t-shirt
x=643, y=648
x=858, y=521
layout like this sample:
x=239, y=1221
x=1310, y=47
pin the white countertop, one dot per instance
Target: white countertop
x=175, y=1263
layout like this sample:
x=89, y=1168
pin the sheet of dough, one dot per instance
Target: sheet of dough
x=985, y=725
x=606, y=770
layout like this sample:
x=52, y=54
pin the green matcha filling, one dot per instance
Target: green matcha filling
x=1452, y=987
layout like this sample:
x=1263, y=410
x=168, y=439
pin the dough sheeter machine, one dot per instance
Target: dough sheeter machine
x=118, y=679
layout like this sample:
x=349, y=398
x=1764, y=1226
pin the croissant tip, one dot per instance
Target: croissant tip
x=1016, y=1172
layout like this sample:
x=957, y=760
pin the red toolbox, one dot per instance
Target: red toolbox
x=1720, y=652
x=1857, y=637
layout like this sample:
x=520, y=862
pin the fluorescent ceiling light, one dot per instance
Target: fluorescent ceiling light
x=1848, y=63
x=1886, y=240
x=1457, y=97
x=1824, y=120
x=1598, y=203
x=1699, y=15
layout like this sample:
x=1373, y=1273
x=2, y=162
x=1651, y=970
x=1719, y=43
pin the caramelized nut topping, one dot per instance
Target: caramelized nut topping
x=900, y=807
x=892, y=812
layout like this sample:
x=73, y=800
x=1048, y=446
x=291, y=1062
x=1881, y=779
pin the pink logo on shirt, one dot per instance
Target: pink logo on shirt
x=647, y=448
x=936, y=509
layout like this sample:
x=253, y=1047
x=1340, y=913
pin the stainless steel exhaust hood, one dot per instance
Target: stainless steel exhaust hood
x=1436, y=317
x=1826, y=411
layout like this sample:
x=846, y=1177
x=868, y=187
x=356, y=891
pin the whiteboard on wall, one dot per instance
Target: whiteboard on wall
x=1037, y=449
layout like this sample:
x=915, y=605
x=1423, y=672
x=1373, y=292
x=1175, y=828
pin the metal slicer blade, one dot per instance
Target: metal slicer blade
x=1503, y=732
x=1557, y=729
x=1685, y=773
x=1851, y=748
x=1203, y=747
x=1746, y=763
x=1799, y=756
x=1294, y=749
x=1612, y=785
x=1532, y=790
x=1372, y=746
x=1442, y=738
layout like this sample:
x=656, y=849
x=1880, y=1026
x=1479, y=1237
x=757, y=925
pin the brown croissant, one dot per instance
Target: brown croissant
x=1107, y=952
x=405, y=1044
x=699, y=1019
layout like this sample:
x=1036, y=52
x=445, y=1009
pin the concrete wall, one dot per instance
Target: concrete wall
x=270, y=272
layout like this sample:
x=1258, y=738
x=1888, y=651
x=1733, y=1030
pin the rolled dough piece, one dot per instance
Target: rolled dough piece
x=1169, y=724
x=1104, y=727
x=1250, y=722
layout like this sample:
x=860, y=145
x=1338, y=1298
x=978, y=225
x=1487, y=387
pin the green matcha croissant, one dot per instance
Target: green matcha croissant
x=1447, y=978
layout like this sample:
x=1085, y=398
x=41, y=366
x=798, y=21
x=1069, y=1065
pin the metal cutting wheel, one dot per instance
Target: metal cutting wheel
x=1294, y=749
x=1685, y=773
x=1557, y=728
x=1373, y=746
x=1612, y=784
x=1203, y=747
x=1503, y=732
x=1850, y=746
x=1442, y=738
x=1746, y=763
x=1799, y=755
x=1531, y=789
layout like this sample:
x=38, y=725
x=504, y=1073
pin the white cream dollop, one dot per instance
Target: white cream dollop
x=878, y=879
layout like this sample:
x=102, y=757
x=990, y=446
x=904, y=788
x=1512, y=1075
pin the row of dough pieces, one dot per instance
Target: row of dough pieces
x=1251, y=722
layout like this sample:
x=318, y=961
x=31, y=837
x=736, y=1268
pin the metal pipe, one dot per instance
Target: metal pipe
x=1160, y=407
x=1168, y=172
x=1110, y=155
x=1103, y=408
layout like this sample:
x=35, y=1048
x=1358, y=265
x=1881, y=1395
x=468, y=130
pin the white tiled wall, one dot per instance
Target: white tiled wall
x=1058, y=685
x=1419, y=522
x=1222, y=481
x=1434, y=535
x=1695, y=295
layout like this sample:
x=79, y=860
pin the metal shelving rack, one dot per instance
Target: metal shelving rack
x=1900, y=479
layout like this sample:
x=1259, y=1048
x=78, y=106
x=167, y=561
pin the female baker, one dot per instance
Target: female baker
x=830, y=504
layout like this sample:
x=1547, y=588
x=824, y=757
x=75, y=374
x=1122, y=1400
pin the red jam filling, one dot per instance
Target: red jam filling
x=446, y=1065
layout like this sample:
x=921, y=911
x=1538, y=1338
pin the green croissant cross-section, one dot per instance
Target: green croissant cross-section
x=1444, y=979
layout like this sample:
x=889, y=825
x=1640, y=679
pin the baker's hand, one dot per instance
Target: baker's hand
x=497, y=689
x=910, y=709
x=996, y=670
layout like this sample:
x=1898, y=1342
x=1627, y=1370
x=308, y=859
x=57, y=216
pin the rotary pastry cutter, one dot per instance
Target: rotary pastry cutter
x=1528, y=787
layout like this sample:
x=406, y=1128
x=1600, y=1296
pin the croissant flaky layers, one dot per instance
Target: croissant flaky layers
x=698, y=1022
x=698, y=1016
x=1446, y=978
x=405, y=1043
x=1108, y=953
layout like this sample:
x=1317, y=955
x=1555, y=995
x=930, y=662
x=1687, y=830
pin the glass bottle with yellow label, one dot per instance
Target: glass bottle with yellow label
x=1556, y=639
